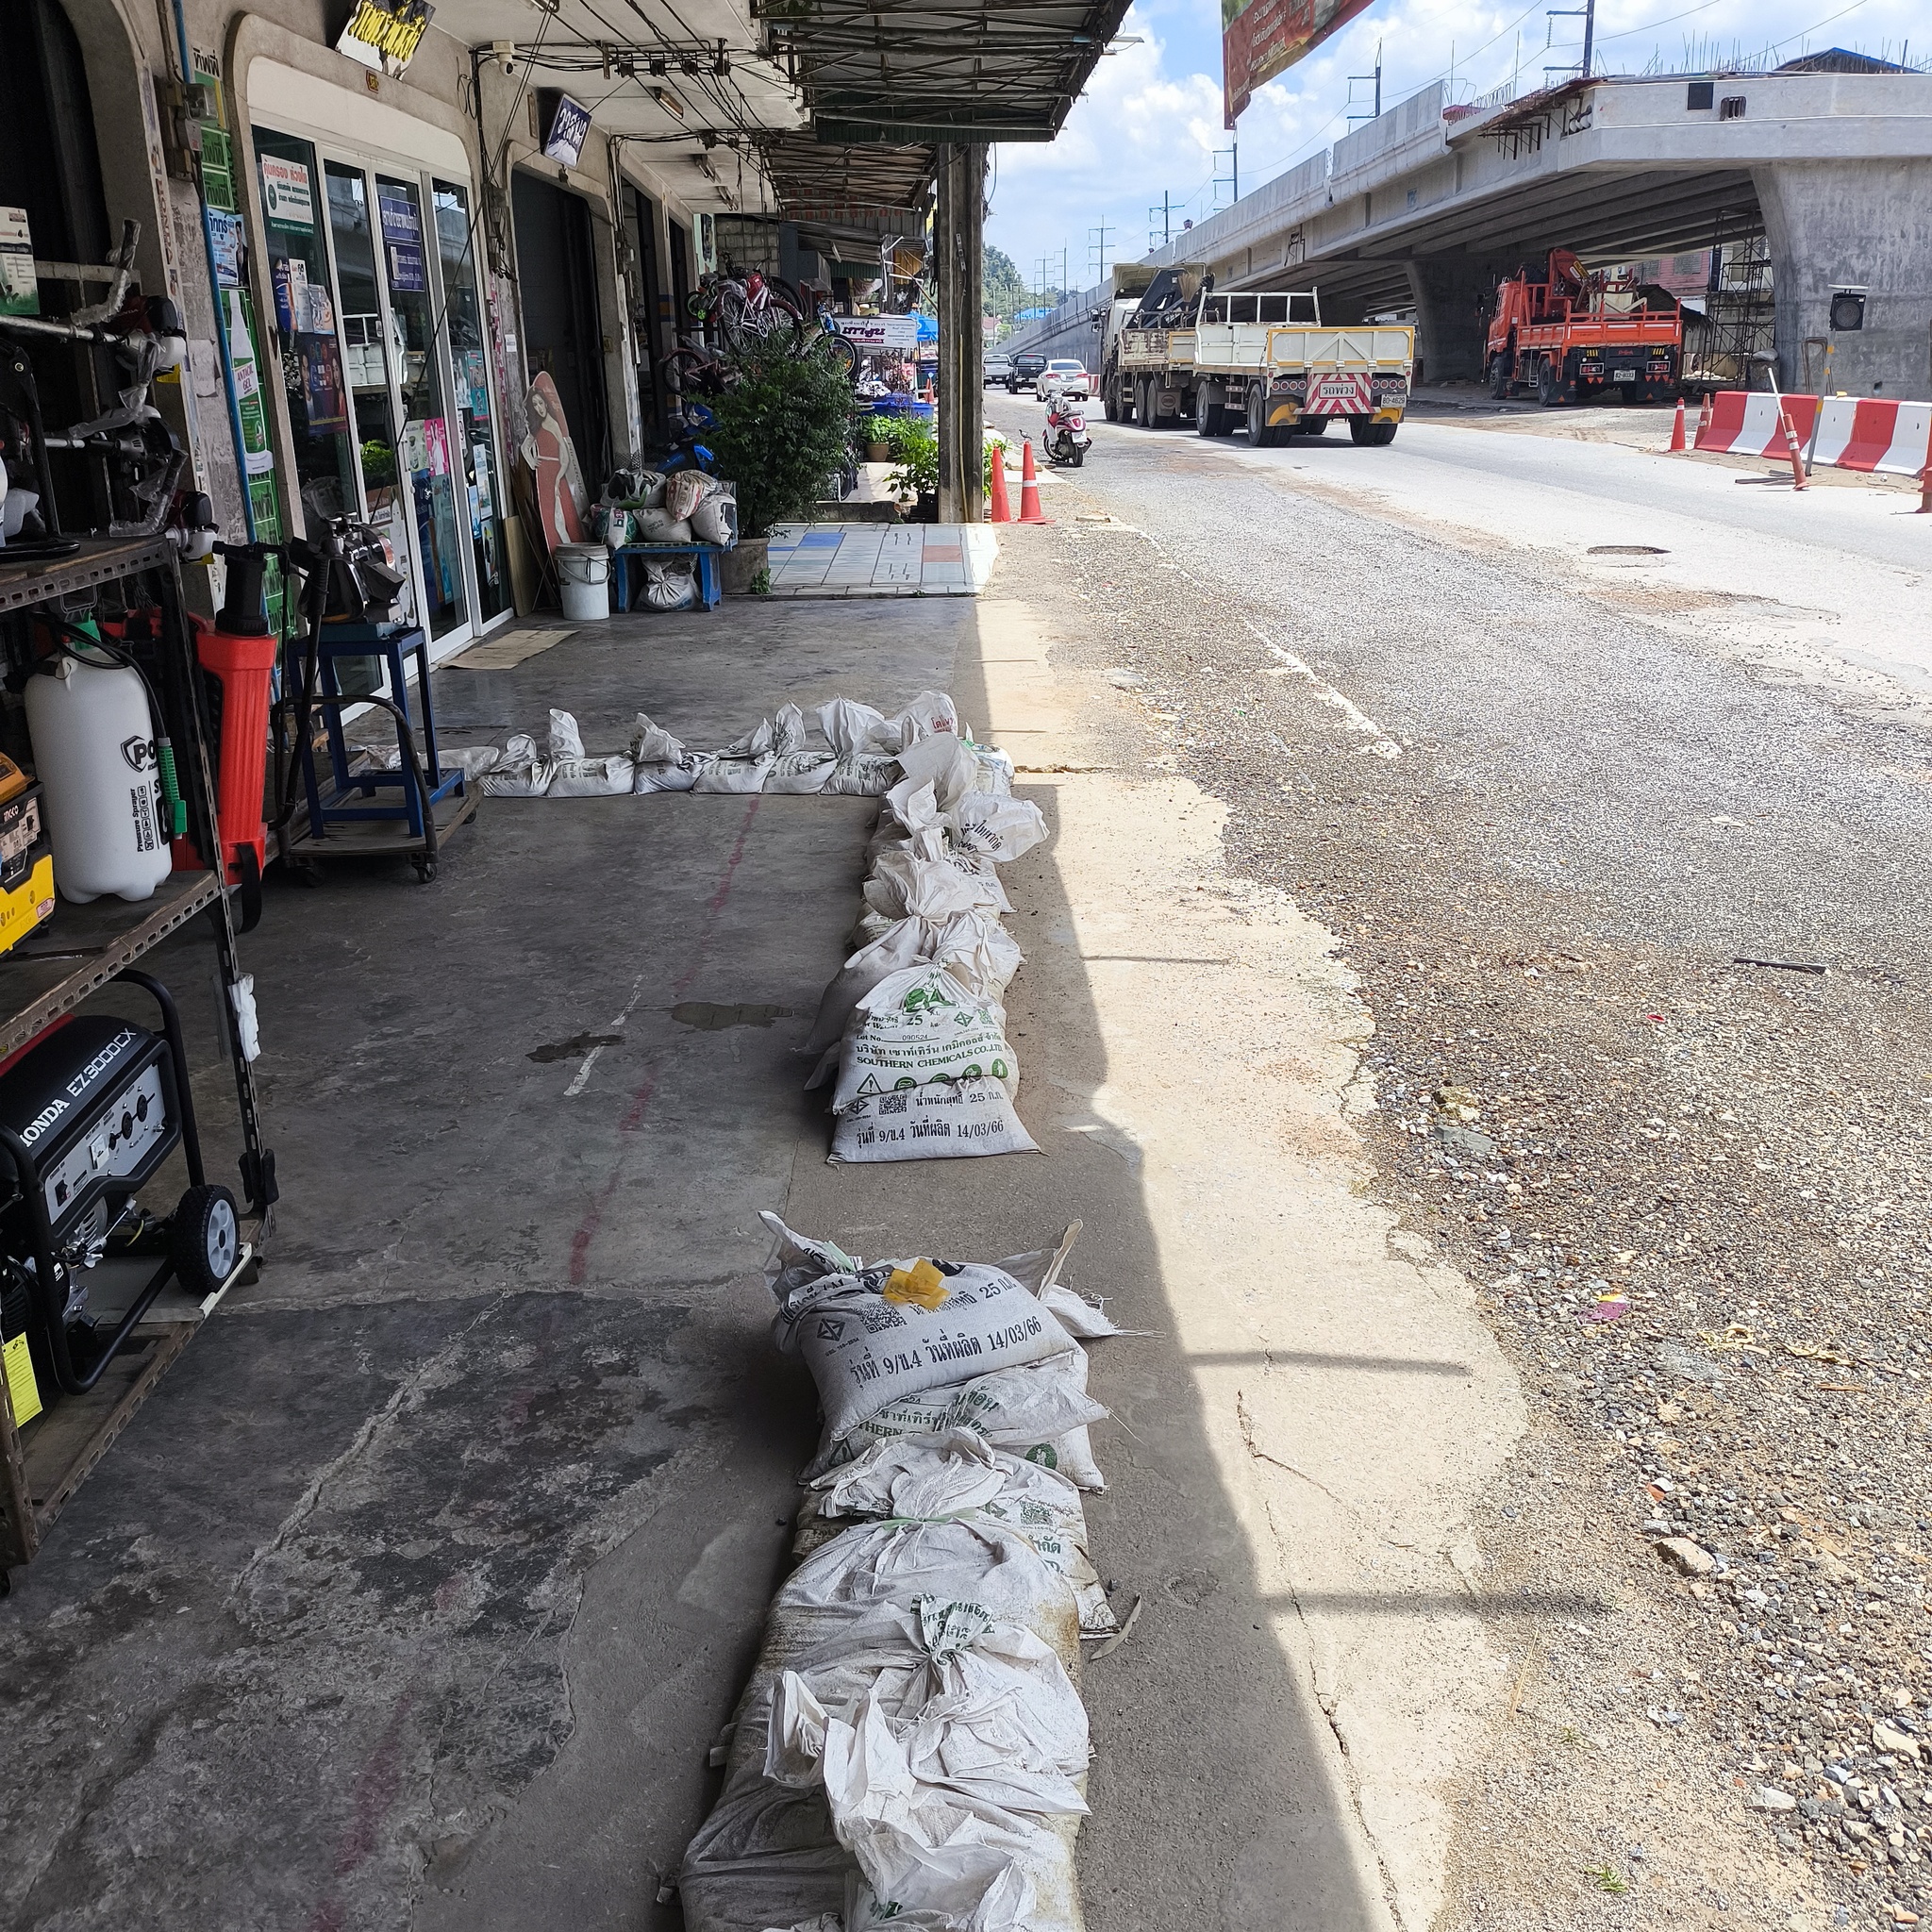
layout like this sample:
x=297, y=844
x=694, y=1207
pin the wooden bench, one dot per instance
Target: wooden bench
x=711, y=591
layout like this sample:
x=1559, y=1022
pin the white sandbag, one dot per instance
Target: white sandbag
x=901, y=879
x=743, y=764
x=995, y=769
x=611, y=775
x=874, y=1335
x=1041, y=1413
x=958, y=1470
x=995, y=828
x=944, y=1740
x=660, y=761
x=650, y=491
x=970, y=943
x=918, y=1028
x=797, y=769
x=960, y=1121
x=657, y=526
x=942, y=761
x=865, y=767
x=671, y=586
x=715, y=518
x=929, y=713
x=522, y=772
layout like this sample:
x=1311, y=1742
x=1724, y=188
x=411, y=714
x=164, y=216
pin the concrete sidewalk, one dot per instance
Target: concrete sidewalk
x=417, y=1593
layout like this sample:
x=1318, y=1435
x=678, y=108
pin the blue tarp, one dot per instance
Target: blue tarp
x=928, y=328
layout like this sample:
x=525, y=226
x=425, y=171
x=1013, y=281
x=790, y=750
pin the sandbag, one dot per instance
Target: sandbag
x=660, y=761
x=797, y=767
x=929, y=713
x=1041, y=1413
x=743, y=765
x=657, y=526
x=996, y=770
x=684, y=490
x=574, y=775
x=522, y=772
x=968, y=943
x=918, y=1028
x=953, y=1121
x=874, y=1335
x=649, y=493
x=671, y=586
x=714, y=520
x=941, y=761
x=903, y=877
x=865, y=766
x=1000, y=828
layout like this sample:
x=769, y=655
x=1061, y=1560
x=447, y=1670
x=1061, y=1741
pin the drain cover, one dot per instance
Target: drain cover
x=1625, y=550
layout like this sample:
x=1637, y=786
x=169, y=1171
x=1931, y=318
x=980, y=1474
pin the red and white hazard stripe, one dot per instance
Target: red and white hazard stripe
x=1747, y=424
x=1864, y=433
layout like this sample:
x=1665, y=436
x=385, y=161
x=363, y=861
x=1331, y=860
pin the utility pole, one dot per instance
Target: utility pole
x=1166, y=213
x=1587, y=13
x=1040, y=286
x=1096, y=249
x=1376, y=77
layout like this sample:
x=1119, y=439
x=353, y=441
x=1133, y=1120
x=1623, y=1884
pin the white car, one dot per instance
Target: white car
x=1062, y=373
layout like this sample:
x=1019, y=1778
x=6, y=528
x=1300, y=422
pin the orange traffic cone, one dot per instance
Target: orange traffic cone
x=1677, y=448
x=1799, y=481
x=1002, y=510
x=1029, y=486
x=1703, y=414
x=1924, y=508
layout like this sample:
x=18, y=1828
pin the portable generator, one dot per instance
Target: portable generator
x=89, y=1112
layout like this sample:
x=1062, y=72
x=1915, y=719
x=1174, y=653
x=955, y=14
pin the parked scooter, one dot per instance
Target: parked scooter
x=1066, y=442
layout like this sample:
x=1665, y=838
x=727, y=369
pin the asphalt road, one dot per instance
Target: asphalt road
x=1548, y=804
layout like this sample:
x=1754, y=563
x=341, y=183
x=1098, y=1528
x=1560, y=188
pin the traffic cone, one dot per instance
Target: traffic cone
x=1002, y=510
x=1029, y=486
x=1924, y=508
x=1703, y=417
x=1677, y=448
x=1799, y=480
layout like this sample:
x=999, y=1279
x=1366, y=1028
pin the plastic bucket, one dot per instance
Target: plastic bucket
x=583, y=577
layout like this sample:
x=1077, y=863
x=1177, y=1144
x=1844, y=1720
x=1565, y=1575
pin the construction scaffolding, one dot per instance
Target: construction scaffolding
x=1740, y=307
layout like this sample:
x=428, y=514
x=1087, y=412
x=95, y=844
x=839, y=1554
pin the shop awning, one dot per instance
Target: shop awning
x=905, y=72
x=849, y=200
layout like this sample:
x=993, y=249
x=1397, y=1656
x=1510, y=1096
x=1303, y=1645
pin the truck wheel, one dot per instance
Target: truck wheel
x=1109, y=408
x=1369, y=434
x=1549, y=386
x=1145, y=404
x=1259, y=437
x=1500, y=384
x=1313, y=425
x=1210, y=419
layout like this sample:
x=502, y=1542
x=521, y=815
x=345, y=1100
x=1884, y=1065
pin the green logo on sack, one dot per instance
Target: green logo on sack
x=999, y=1070
x=1043, y=1454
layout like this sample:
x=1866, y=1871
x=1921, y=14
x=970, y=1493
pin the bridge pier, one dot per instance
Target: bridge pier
x=1866, y=224
x=1452, y=295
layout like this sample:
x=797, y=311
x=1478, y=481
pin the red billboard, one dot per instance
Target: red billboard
x=1260, y=38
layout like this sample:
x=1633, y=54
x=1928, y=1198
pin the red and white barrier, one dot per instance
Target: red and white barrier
x=1854, y=432
x=1747, y=425
x=1863, y=433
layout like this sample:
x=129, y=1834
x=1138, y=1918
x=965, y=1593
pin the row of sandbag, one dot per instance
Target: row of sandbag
x=912, y=1029
x=650, y=506
x=842, y=747
x=911, y=1750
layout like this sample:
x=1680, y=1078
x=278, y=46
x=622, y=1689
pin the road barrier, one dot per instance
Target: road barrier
x=1863, y=433
x=1852, y=432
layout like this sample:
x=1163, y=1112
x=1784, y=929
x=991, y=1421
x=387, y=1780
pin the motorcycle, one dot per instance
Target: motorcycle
x=1066, y=442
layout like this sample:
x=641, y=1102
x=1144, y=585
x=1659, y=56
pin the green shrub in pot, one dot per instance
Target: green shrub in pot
x=779, y=432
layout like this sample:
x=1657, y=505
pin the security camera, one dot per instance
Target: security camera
x=505, y=54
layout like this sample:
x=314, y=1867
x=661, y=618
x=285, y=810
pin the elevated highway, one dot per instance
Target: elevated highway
x=1429, y=204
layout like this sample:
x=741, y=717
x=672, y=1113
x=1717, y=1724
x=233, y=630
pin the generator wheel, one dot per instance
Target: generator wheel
x=205, y=1238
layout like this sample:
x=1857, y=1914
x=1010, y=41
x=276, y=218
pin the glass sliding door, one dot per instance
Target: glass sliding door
x=367, y=356
x=473, y=456
x=426, y=456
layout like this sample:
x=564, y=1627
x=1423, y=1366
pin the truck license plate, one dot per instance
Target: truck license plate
x=1338, y=386
x=1622, y=376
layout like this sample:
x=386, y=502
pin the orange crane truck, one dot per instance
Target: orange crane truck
x=1583, y=334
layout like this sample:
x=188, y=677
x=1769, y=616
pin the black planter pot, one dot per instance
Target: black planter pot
x=927, y=508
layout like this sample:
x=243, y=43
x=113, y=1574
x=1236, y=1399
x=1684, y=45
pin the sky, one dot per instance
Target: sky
x=1149, y=122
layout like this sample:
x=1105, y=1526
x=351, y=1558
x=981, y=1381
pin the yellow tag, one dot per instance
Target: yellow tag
x=22, y=1390
x=922, y=1283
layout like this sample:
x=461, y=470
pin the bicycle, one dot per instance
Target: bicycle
x=753, y=308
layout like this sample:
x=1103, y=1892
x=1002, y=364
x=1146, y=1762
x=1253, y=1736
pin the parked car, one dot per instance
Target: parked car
x=1026, y=366
x=996, y=367
x=1062, y=373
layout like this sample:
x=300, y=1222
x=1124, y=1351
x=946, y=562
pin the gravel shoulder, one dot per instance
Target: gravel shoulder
x=1693, y=1193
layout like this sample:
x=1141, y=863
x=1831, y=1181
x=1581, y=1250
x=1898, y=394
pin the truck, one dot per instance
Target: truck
x=1264, y=362
x=1582, y=333
x=1129, y=284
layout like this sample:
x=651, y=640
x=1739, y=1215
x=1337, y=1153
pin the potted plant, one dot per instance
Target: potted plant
x=878, y=440
x=918, y=475
x=779, y=430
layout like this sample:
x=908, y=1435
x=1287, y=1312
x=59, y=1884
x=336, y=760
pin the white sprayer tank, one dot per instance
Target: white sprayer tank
x=100, y=785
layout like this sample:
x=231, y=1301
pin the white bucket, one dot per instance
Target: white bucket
x=583, y=577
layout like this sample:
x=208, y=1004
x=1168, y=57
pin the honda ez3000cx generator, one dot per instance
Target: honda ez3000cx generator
x=89, y=1112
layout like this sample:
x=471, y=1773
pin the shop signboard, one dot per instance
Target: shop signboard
x=225, y=237
x=1260, y=38
x=898, y=332
x=570, y=127
x=402, y=236
x=20, y=288
x=287, y=198
x=385, y=34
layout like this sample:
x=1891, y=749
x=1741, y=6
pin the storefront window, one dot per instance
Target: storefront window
x=306, y=328
x=366, y=357
x=474, y=461
x=425, y=452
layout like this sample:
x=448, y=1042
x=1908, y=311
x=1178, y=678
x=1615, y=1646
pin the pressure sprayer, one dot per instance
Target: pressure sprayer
x=105, y=767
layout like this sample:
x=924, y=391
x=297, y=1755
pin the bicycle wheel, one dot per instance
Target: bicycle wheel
x=839, y=351
x=736, y=322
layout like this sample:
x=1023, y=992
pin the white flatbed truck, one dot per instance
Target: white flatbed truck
x=1268, y=363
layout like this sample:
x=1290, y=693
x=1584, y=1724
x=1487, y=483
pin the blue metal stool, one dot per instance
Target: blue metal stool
x=421, y=786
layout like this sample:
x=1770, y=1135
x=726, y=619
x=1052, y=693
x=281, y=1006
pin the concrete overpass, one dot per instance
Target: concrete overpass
x=1427, y=205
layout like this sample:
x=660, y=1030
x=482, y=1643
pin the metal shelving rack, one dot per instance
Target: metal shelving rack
x=44, y=1463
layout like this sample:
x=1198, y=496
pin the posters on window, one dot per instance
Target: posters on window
x=323, y=389
x=288, y=199
x=401, y=241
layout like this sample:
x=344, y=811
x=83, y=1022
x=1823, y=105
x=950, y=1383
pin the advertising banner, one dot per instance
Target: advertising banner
x=1260, y=38
x=879, y=331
